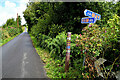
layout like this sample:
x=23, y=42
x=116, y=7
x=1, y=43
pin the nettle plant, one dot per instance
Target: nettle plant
x=95, y=41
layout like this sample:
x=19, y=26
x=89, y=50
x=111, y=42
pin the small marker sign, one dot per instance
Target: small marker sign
x=92, y=14
x=68, y=47
x=69, y=38
x=88, y=20
x=68, y=51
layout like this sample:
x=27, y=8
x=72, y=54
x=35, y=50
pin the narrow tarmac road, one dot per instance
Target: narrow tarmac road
x=20, y=60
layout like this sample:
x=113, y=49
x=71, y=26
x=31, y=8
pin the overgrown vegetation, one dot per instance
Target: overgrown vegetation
x=101, y=42
x=2, y=42
x=10, y=29
x=49, y=23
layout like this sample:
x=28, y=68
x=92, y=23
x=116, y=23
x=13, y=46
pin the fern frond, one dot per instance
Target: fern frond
x=54, y=46
x=64, y=52
x=53, y=50
x=55, y=40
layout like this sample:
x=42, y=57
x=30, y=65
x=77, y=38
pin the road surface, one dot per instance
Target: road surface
x=20, y=60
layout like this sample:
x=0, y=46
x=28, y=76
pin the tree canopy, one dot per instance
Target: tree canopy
x=44, y=15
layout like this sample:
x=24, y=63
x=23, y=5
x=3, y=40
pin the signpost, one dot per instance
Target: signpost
x=92, y=17
x=67, y=52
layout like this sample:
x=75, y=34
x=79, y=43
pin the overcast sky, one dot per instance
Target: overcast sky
x=10, y=8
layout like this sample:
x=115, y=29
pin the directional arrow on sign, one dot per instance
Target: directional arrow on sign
x=88, y=20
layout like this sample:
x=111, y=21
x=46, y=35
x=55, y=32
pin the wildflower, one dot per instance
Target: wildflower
x=76, y=45
x=105, y=31
x=77, y=36
x=117, y=65
x=90, y=25
x=80, y=34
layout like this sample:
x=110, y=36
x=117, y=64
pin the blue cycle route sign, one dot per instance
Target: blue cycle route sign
x=92, y=14
x=88, y=20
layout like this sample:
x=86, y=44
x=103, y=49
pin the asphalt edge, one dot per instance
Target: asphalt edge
x=38, y=55
x=11, y=39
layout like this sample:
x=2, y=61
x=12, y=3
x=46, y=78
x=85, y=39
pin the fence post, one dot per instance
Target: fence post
x=85, y=50
x=67, y=52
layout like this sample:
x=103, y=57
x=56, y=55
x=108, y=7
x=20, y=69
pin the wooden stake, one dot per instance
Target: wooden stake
x=67, y=52
x=17, y=21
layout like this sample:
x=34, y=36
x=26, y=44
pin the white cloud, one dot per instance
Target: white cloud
x=9, y=4
x=11, y=9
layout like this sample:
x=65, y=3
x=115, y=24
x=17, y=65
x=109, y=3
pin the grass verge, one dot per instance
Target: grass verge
x=53, y=67
x=8, y=39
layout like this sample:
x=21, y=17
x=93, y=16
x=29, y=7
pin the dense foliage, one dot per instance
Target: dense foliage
x=97, y=42
x=50, y=22
x=65, y=16
x=10, y=28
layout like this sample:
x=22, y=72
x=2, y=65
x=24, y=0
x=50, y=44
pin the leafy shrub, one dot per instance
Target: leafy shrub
x=55, y=30
x=101, y=41
x=42, y=39
x=10, y=31
x=13, y=31
x=4, y=34
x=94, y=42
x=57, y=46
